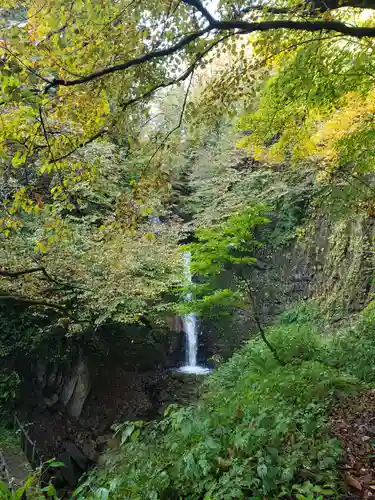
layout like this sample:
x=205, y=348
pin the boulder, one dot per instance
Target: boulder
x=76, y=388
x=50, y=402
x=81, y=389
x=67, y=390
x=41, y=374
x=89, y=450
x=51, y=378
x=76, y=455
x=68, y=472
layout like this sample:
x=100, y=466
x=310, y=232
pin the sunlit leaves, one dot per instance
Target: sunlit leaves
x=316, y=107
x=230, y=245
x=41, y=128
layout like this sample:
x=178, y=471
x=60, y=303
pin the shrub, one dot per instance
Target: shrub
x=9, y=385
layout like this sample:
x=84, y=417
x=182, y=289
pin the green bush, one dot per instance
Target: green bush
x=353, y=348
x=33, y=487
x=9, y=386
x=304, y=313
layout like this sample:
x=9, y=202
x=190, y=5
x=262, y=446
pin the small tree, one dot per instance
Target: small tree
x=227, y=247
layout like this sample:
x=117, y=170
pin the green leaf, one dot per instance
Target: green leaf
x=101, y=494
x=55, y=464
x=262, y=470
x=126, y=433
x=50, y=490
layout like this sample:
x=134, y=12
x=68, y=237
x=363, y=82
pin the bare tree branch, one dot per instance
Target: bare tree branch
x=33, y=302
x=313, y=8
x=157, y=54
x=56, y=32
x=179, y=79
x=337, y=26
x=200, y=7
x=15, y=274
x=274, y=10
x=31, y=70
x=43, y=303
x=81, y=145
x=43, y=270
x=178, y=124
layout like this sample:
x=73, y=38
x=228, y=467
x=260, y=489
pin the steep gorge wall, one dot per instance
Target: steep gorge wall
x=72, y=404
x=332, y=263
x=342, y=255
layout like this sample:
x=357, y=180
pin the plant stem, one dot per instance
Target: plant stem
x=259, y=324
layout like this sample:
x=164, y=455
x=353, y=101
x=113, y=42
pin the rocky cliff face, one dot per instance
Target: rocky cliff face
x=342, y=260
x=64, y=385
x=332, y=262
x=72, y=404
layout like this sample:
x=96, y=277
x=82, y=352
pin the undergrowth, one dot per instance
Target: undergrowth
x=259, y=431
x=8, y=438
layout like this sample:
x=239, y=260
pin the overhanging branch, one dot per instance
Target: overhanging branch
x=157, y=54
x=40, y=303
x=265, y=9
x=200, y=7
x=15, y=274
x=81, y=145
x=43, y=270
x=336, y=26
x=236, y=27
x=32, y=302
x=310, y=8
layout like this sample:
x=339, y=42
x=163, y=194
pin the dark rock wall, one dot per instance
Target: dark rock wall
x=332, y=262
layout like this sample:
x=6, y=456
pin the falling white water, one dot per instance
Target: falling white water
x=190, y=324
x=154, y=219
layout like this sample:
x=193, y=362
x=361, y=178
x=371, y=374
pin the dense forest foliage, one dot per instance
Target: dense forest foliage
x=241, y=132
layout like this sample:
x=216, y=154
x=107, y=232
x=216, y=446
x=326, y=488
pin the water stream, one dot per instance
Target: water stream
x=191, y=329
x=190, y=321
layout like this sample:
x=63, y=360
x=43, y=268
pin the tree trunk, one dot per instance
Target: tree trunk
x=266, y=341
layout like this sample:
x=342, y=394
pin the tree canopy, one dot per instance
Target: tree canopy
x=99, y=106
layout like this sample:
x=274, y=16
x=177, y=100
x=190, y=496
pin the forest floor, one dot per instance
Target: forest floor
x=17, y=466
x=353, y=424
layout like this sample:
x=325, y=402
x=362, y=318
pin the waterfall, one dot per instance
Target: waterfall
x=191, y=329
x=189, y=321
